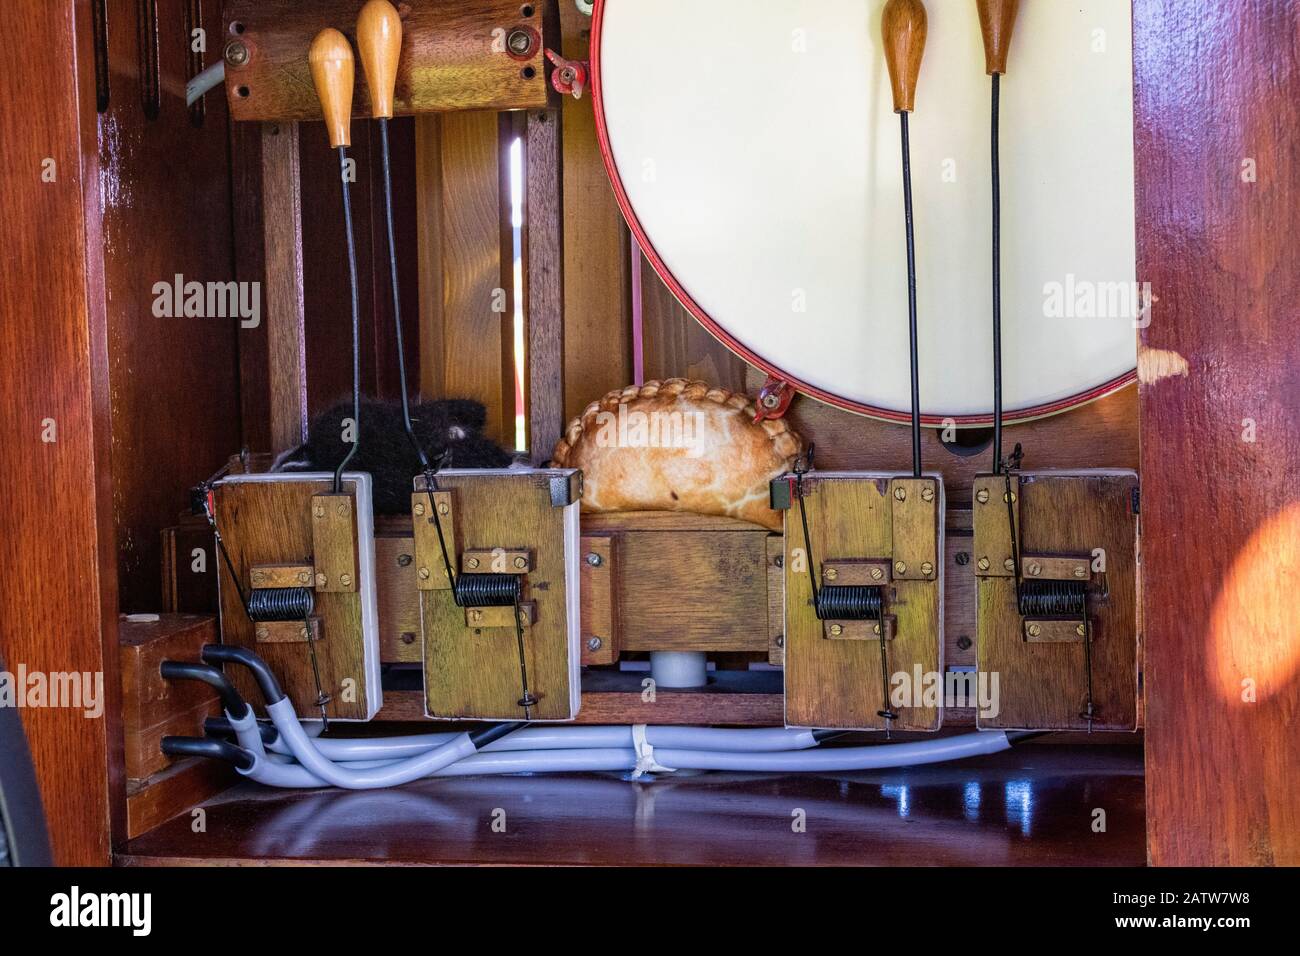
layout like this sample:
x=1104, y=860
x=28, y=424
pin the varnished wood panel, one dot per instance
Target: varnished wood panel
x=600, y=610
x=1044, y=685
x=597, y=265
x=475, y=672
x=1217, y=145
x=453, y=57
x=677, y=346
x=267, y=522
x=837, y=683
x=174, y=791
x=544, y=285
x=57, y=527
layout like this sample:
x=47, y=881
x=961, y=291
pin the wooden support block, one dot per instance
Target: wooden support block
x=455, y=55
x=430, y=565
x=501, y=616
x=475, y=673
x=288, y=632
x=1041, y=677
x=398, y=596
x=857, y=572
x=775, y=600
x=834, y=679
x=496, y=561
x=289, y=575
x=599, y=611
x=1056, y=567
x=176, y=789
x=272, y=520
x=334, y=542
x=992, y=524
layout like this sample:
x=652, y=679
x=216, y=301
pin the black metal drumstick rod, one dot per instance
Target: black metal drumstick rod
x=903, y=28
x=997, y=20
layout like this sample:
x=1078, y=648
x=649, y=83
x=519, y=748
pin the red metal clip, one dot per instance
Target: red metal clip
x=568, y=76
x=773, y=399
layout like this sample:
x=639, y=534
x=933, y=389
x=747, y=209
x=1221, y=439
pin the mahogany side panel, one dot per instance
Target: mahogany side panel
x=1217, y=112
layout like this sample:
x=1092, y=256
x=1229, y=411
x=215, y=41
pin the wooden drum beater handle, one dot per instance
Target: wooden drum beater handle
x=903, y=26
x=332, y=72
x=997, y=20
x=379, y=41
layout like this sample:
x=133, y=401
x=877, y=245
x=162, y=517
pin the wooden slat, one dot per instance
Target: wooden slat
x=677, y=346
x=1218, y=212
x=452, y=58
x=285, y=318
x=544, y=289
x=599, y=583
x=597, y=273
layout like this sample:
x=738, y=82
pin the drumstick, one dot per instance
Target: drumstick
x=902, y=26
x=997, y=20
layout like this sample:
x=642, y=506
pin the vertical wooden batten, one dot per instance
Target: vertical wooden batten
x=1217, y=114
x=285, y=319
x=544, y=281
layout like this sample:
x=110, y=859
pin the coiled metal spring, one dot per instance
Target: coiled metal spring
x=281, y=604
x=487, y=590
x=1053, y=599
x=848, y=602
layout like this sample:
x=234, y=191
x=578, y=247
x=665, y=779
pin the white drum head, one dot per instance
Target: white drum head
x=756, y=155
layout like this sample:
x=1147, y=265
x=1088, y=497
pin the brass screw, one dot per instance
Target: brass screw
x=318, y=511
x=927, y=568
x=304, y=577
x=832, y=574
x=982, y=496
x=875, y=629
x=900, y=567
x=258, y=577
x=900, y=493
x=927, y=493
x=345, y=579
x=444, y=508
x=475, y=616
x=1034, y=568
x=303, y=633
x=1009, y=564
x=877, y=573
x=836, y=630
x=418, y=509
x=521, y=562
x=424, y=574
x=472, y=562
x=321, y=580
x=343, y=509
x=1080, y=630
x=1034, y=630
x=262, y=633
x=983, y=564
x=1080, y=572
x=1009, y=497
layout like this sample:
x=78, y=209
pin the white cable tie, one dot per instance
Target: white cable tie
x=645, y=754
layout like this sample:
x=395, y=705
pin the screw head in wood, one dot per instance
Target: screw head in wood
x=236, y=53
x=521, y=562
x=594, y=643
x=900, y=567
x=780, y=640
x=262, y=633
x=984, y=564
x=927, y=493
x=304, y=577
x=594, y=559
x=424, y=574
x=1081, y=630
x=418, y=509
x=877, y=574
x=982, y=496
x=318, y=511
x=1034, y=630
x=1080, y=572
x=345, y=579
x=837, y=629
x=875, y=629
x=444, y=509
x=1009, y=497
x=476, y=616
x=321, y=580
x=1034, y=568
x=343, y=509
x=404, y=560
x=472, y=562
x=258, y=577
x=927, y=568
x=1009, y=564
x=900, y=493
x=832, y=574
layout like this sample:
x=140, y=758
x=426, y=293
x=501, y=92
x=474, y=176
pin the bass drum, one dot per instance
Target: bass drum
x=755, y=153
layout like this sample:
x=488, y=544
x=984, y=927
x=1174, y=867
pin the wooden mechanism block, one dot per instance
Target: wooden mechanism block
x=882, y=531
x=471, y=667
x=600, y=632
x=271, y=521
x=430, y=568
x=283, y=576
x=456, y=55
x=1072, y=528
